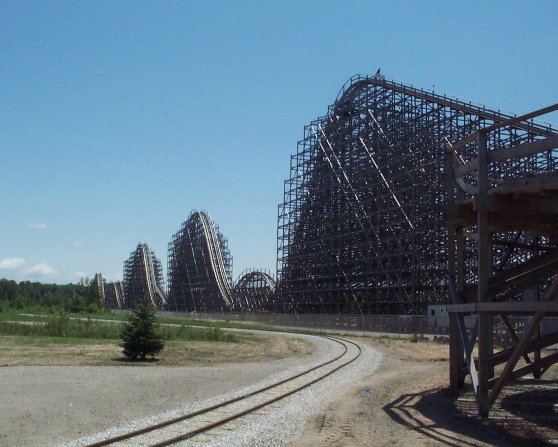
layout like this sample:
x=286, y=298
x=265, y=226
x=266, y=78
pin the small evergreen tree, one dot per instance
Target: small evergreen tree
x=140, y=336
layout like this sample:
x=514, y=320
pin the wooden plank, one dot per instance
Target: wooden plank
x=456, y=375
x=465, y=216
x=538, y=183
x=520, y=347
x=505, y=307
x=466, y=344
x=521, y=206
x=522, y=150
x=529, y=271
x=544, y=363
x=456, y=357
x=520, y=119
x=512, y=243
x=513, y=335
x=484, y=260
x=457, y=146
x=516, y=121
x=533, y=345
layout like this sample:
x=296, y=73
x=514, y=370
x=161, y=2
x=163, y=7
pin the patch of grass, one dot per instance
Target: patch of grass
x=37, y=340
x=184, y=332
x=215, y=323
x=18, y=315
x=63, y=326
x=123, y=315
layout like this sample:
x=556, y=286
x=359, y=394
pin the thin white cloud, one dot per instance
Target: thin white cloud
x=36, y=225
x=41, y=270
x=11, y=263
x=79, y=244
x=80, y=275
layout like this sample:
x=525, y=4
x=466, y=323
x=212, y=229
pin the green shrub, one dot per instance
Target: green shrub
x=140, y=336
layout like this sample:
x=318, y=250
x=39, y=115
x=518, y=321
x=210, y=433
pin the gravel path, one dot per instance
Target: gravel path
x=284, y=421
x=69, y=403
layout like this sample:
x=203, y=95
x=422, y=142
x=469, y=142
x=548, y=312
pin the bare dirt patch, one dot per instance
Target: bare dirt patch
x=407, y=402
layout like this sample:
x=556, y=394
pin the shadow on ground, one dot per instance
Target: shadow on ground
x=134, y=362
x=519, y=418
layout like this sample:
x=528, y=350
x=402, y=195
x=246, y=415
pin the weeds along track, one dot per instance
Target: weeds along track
x=222, y=415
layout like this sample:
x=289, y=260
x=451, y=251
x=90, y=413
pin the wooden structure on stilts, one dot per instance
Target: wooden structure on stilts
x=502, y=204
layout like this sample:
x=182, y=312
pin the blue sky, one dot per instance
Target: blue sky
x=117, y=118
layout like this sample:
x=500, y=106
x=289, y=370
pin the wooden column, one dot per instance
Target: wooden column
x=456, y=345
x=484, y=272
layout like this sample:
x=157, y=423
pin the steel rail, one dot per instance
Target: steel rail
x=163, y=424
x=242, y=413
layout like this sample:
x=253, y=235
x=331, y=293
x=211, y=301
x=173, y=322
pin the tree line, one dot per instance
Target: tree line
x=74, y=298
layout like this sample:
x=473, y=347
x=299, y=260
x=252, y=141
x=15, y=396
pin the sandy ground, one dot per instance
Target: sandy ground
x=406, y=402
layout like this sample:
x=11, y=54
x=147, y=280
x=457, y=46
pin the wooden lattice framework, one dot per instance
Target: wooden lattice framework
x=503, y=256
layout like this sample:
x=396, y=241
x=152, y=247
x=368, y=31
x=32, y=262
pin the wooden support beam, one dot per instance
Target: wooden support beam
x=520, y=347
x=513, y=334
x=524, y=150
x=533, y=345
x=465, y=216
x=527, y=207
x=505, y=307
x=456, y=357
x=518, y=119
x=536, y=267
x=547, y=181
x=519, y=151
x=484, y=259
x=531, y=368
x=458, y=334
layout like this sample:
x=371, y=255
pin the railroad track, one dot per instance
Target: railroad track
x=209, y=419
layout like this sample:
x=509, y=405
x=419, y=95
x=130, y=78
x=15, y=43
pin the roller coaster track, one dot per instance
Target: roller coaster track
x=211, y=418
x=362, y=226
x=216, y=257
x=265, y=278
x=356, y=83
x=253, y=290
x=140, y=278
x=152, y=286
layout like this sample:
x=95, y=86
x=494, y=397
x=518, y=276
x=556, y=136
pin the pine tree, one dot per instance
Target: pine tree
x=140, y=336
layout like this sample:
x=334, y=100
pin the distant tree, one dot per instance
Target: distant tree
x=75, y=298
x=140, y=335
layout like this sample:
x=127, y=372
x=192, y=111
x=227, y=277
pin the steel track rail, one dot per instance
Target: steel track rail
x=205, y=428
